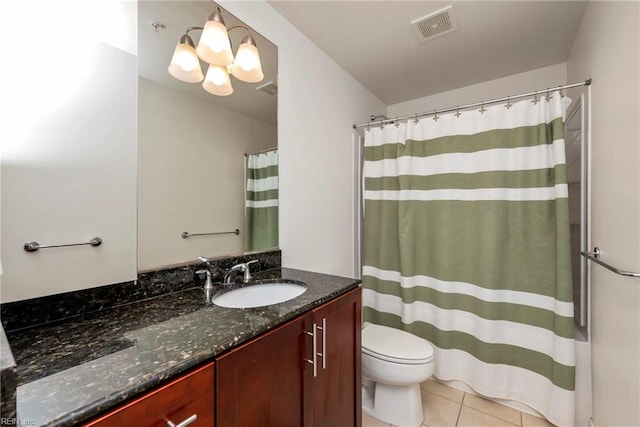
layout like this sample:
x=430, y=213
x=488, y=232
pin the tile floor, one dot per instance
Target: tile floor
x=446, y=406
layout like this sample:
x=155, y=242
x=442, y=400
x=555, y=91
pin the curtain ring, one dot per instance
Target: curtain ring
x=482, y=109
x=562, y=95
x=415, y=120
x=381, y=124
x=435, y=115
x=368, y=127
x=548, y=96
x=535, y=99
x=397, y=123
x=509, y=104
x=458, y=113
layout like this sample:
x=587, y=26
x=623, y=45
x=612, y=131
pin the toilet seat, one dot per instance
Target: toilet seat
x=395, y=345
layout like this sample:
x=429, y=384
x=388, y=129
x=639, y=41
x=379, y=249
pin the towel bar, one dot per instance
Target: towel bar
x=595, y=255
x=185, y=234
x=34, y=246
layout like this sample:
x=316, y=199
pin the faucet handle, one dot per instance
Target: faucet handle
x=247, y=270
x=208, y=284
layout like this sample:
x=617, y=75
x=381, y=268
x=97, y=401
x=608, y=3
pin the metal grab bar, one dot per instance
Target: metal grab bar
x=185, y=234
x=594, y=256
x=34, y=246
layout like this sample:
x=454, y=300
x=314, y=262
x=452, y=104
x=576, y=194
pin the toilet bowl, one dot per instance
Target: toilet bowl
x=394, y=363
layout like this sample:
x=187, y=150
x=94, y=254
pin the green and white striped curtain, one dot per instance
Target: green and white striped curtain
x=261, y=207
x=466, y=244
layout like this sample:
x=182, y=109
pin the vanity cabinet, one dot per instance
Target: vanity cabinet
x=333, y=395
x=275, y=380
x=187, y=400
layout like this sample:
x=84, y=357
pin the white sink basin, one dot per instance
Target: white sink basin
x=260, y=294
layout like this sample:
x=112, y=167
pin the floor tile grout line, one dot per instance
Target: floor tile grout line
x=461, y=404
x=460, y=410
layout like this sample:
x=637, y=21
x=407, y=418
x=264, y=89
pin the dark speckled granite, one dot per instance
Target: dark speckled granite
x=73, y=369
x=150, y=284
x=8, y=380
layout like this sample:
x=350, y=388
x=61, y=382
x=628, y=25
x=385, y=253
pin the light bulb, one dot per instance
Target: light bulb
x=185, y=59
x=185, y=65
x=217, y=81
x=217, y=75
x=246, y=66
x=214, y=46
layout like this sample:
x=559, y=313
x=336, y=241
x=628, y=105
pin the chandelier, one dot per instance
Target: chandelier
x=214, y=48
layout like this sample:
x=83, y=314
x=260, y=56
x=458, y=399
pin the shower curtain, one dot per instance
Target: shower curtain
x=466, y=244
x=261, y=206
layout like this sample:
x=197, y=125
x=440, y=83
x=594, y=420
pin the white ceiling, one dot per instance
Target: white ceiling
x=156, y=48
x=374, y=42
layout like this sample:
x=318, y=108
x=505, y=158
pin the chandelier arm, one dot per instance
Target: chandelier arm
x=233, y=27
x=193, y=28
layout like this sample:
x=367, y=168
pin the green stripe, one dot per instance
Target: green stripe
x=518, y=313
x=493, y=244
x=525, y=136
x=262, y=228
x=561, y=375
x=494, y=179
x=262, y=195
x=260, y=173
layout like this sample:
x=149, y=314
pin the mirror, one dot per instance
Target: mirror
x=201, y=157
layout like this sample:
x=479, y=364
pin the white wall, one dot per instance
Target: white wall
x=69, y=177
x=606, y=49
x=68, y=163
x=317, y=106
x=191, y=174
x=554, y=75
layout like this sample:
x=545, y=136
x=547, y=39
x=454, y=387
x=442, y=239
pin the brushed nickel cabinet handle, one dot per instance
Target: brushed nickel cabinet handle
x=323, y=328
x=314, y=349
x=184, y=423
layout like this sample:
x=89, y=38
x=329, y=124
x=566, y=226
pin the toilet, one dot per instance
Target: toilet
x=394, y=363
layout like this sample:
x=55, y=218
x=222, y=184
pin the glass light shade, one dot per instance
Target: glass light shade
x=217, y=81
x=246, y=66
x=214, y=46
x=185, y=65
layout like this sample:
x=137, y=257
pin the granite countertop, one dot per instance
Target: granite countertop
x=73, y=369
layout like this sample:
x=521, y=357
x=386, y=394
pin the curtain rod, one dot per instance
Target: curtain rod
x=265, y=150
x=475, y=104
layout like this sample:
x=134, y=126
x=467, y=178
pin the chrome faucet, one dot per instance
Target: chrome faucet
x=230, y=276
x=206, y=270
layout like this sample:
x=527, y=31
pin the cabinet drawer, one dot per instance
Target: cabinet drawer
x=176, y=401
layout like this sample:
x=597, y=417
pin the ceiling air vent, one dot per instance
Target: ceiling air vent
x=435, y=24
x=269, y=87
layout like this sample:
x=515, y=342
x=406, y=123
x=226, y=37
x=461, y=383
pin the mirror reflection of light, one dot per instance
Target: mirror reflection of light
x=55, y=53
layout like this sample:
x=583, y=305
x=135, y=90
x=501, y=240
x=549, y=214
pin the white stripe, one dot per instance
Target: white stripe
x=263, y=184
x=544, y=302
x=507, y=382
x=499, y=159
x=261, y=203
x=522, y=113
x=530, y=337
x=511, y=194
x=262, y=160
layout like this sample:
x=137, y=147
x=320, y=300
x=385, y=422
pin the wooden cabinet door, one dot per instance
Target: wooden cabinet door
x=260, y=383
x=189, y=397
x=336, y=388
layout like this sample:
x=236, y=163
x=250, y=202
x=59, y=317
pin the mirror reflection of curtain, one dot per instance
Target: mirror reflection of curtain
x=261, y=207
